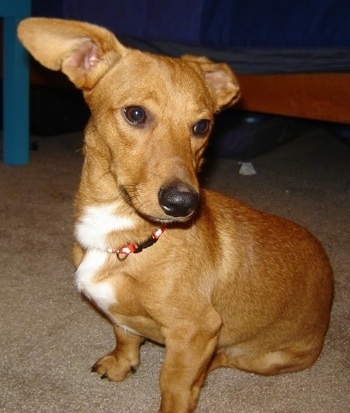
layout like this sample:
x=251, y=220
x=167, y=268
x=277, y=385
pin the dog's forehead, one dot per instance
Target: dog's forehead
x=143, y=74
x=161, y=67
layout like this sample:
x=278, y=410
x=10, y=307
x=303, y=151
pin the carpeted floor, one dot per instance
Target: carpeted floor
x=50, y=337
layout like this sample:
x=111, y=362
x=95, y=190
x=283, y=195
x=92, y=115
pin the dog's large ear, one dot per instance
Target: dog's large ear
x=220, y=80
x=84, y=52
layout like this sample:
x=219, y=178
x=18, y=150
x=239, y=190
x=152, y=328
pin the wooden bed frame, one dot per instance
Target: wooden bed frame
x=323, y=97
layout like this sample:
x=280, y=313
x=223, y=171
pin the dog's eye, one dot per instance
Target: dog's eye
x=135, y=115
x=202, y=127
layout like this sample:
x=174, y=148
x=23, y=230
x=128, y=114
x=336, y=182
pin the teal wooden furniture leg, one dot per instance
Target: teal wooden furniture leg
x=15, y=85
x=15, y=97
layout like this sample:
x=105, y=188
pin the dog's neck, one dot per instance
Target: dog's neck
x=104, y=220
x=123, y=252
x=110, y=225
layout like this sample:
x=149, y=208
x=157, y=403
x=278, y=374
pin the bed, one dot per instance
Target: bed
x=291, y=58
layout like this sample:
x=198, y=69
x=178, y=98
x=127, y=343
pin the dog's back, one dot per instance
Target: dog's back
x=278, y=271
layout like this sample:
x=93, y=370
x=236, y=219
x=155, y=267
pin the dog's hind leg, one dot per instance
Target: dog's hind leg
x=266, y=363
x=123, y=360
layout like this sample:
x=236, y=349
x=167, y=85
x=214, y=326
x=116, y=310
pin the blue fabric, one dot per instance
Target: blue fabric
x=276, y=23
x=175, y=21
x=47, y=8
x=229, y=24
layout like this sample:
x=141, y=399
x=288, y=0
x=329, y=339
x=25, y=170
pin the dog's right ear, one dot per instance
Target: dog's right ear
x=84, y=52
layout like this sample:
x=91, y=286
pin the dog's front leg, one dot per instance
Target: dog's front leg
x=189, y=349
x=124, y=359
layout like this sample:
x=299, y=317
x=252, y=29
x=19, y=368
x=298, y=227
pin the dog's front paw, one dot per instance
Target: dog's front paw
x=111, y=368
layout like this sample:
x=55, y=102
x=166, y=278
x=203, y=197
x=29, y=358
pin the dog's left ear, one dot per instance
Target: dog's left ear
x=220, y=80
x=84, y=52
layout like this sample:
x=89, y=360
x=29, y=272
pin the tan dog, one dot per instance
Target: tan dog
x=225, y=285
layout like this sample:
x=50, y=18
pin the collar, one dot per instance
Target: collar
x=123, y=252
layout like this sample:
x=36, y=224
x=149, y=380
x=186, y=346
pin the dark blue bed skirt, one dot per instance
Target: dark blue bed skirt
x=254, y=36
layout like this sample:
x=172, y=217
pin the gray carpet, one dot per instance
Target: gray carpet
x=50, y=337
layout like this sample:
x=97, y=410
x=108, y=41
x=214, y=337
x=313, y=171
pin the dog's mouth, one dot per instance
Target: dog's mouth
x=168, y=221
x=177, y=202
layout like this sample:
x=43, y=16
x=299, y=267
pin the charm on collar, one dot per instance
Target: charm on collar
x=123, y=252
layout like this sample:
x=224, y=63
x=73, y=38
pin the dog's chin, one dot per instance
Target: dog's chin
x=169, y=220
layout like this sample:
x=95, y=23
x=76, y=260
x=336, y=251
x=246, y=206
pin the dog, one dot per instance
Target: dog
x=217, y=282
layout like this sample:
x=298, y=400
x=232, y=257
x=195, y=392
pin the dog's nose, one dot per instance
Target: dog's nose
x=178, y=201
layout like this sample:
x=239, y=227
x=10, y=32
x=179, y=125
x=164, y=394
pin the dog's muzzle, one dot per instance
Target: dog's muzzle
x=178, y=201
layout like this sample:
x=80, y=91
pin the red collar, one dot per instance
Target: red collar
x=123, y=252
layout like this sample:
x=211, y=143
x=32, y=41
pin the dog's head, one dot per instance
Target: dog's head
x=151, y=115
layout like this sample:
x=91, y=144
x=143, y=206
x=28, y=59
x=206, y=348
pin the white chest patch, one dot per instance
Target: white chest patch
x=97, y=222
x=102, y=293
x=91, y=232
